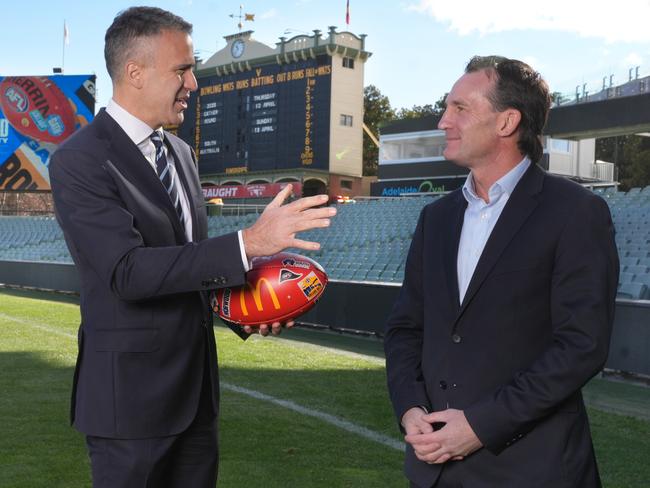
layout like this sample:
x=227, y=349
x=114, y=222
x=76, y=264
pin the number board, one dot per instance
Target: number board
x=268, y=118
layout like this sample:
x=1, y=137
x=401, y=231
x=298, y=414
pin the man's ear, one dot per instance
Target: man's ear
x=133, y=74
x=509, y=121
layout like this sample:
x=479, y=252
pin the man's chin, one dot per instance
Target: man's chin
x=455, y=159
x=176, y=119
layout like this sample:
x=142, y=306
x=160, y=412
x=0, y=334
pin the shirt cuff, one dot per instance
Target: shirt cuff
x=244, y=259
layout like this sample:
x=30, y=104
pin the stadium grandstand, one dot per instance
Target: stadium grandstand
x=368, y=241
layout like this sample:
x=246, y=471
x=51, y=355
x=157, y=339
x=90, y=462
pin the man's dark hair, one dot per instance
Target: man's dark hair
x=131, y=25
x=518, y=86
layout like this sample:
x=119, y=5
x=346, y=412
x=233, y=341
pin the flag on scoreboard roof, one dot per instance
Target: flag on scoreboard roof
x=347, y=13
x=66, y=33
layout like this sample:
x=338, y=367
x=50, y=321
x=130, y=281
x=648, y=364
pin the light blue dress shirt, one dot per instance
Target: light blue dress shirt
x=480, y=218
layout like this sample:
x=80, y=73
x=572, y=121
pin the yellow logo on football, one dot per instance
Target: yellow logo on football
x=310, y=285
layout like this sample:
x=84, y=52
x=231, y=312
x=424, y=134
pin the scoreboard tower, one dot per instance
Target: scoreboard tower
x=292, y=113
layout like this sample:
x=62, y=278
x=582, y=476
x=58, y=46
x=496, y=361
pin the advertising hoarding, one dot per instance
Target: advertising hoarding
x=37, y=113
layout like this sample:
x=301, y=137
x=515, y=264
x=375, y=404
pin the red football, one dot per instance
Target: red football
x=37, y=108
x=278, y=288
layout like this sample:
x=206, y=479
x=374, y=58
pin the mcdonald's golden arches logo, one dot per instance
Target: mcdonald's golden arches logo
x=256, y=291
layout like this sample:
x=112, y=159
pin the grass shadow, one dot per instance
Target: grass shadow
x=38, y=447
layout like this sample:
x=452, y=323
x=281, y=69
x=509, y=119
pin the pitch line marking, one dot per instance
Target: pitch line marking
x=37, y=325
x=325, y=417
x=309, y=412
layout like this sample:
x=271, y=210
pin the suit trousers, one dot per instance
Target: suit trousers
x=449, y=477
x=189, y=459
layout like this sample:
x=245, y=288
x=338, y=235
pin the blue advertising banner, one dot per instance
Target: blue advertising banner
x=37, y=113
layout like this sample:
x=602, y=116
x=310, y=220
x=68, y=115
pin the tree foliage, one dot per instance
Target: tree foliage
x=418, y=111
x=376, y=110
x=631, y=156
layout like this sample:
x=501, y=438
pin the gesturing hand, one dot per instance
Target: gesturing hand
x=453, y=441
x=275, y=230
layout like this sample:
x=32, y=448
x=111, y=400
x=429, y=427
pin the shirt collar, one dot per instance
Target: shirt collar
x=137, y=130
x=506, y=184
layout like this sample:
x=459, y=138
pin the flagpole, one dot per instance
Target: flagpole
x=65, y=29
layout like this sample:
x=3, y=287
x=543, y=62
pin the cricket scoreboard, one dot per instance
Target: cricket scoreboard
x=271, y=117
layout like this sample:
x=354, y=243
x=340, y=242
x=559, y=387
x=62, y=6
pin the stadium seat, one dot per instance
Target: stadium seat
x=637, y=269
x=632, y=291
x=628, y=261
x=626, y=277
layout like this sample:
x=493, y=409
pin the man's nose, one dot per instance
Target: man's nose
x=443, y=123
x=190, y=81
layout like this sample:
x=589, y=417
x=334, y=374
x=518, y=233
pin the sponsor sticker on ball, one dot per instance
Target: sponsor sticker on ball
x=17, y=99
x=38, y=119
x=297, y=264
x=310, y=285
x=288, y=275
x=225, y=308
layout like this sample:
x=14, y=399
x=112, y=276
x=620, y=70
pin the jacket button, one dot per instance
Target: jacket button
x=456, y=339
x=443, y=385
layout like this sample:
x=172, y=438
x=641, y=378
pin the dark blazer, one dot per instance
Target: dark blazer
x=146, y=326
x=533, y=327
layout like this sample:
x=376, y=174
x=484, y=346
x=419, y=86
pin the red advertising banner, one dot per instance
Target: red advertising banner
x=37, y=113
x=263, y=190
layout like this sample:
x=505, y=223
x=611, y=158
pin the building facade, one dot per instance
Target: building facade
x=292, y=113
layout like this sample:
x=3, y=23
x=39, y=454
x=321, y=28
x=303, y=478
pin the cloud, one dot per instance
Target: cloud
x=631, y=60
x=612, y=21
x=269, y=14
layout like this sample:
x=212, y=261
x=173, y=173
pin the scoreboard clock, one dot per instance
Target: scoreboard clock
x=237, y=48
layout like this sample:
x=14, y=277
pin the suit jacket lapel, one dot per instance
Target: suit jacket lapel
x=130, y=162
x=185, y=173
x=519, y=206
x=456, y=216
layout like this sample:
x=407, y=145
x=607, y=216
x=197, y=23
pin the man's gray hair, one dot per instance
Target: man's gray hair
x=129, y=27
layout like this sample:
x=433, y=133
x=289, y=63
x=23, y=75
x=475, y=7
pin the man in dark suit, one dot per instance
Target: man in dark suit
x=507, y=303
x=128, y=198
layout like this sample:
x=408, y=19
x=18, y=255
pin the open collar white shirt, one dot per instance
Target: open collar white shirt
x=480, y=219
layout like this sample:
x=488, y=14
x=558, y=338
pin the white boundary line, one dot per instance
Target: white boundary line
x=36, y=325
x=325, y=417
x=309, y=412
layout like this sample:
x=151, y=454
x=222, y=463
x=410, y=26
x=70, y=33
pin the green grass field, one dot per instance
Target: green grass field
x=264, y=442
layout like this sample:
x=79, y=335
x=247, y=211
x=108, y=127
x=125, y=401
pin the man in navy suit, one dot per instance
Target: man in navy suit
x=128, y=198
x=507, y=303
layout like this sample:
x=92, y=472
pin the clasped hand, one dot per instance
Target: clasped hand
x=454, y=441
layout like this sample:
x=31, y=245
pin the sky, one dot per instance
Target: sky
x=419, y=47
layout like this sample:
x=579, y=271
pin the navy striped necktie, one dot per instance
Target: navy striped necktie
x=166, y=173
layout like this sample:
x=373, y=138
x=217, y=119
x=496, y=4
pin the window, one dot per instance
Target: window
x=559, y=145
x=347, y=184
x=410, y=147
x=346, y=120
x=348, y=63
